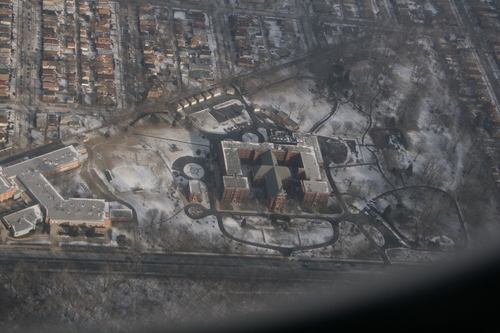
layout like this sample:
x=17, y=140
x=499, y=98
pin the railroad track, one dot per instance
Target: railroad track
x=203, y=266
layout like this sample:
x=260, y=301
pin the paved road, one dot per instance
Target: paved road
x=321, y=122
x=97, y=187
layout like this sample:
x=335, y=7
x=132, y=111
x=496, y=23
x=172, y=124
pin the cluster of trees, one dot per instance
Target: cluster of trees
x=420, y=214
x=33, y=298
x=456, y=163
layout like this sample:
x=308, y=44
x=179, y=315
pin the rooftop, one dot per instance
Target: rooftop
x=309, y=140
x=308, y=154
x=311, y=166
x=5, y=185
x=194, y=186
x=235, y=182
x=43, y=163
x=25, y=218
x=232, y=160
x=29, y=174
x=274, y=174
x=315, y=186
x=265, y=146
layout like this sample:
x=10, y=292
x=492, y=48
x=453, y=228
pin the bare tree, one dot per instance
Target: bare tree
x=335, y=127
x=278, y=101
x=161, y=181
x=431, y=173
x=302, y=109
x=409, y=110
x=421, y=148
x=348, y=126
x=291, y=108
x=151, y=216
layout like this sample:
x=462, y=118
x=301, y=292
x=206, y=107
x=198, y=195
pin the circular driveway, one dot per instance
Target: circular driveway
x=190, y=167
x=194, y=171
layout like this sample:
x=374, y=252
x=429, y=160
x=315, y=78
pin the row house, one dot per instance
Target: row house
x=192, y=38
x=5, y=46
x=58, y=53
x=158, y=58
x=247, y=35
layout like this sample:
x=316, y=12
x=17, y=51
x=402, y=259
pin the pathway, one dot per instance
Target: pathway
x=320, y=123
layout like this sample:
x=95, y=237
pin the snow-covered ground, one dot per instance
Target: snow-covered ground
x=295, y=98
x=433, y=135
x=88, y=123
x=365, y=180
x=259, y=230
x=375, y=235
x=127, y=177
x=299, y=98
x=135, y=167
x=248, y=234
x=29, y=242
x=146, y=162
x=352, y=244
x=314, y=232
x=425, y=216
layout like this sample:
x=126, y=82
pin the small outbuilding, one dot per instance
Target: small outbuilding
x=195, y=194
x=22, y=222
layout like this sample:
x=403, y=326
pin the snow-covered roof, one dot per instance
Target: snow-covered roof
x=5, y=186
x=270, y=170
x=194, y=186
x=308, y=154
x=24, y=219
x=315, y=186
x=235, y=182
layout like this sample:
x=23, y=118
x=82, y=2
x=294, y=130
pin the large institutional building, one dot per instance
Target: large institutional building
x=30, y=176
x=276, y=167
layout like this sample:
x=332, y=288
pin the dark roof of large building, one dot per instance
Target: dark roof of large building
x=268, y=158
x=274, y=176
x=272, y=173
